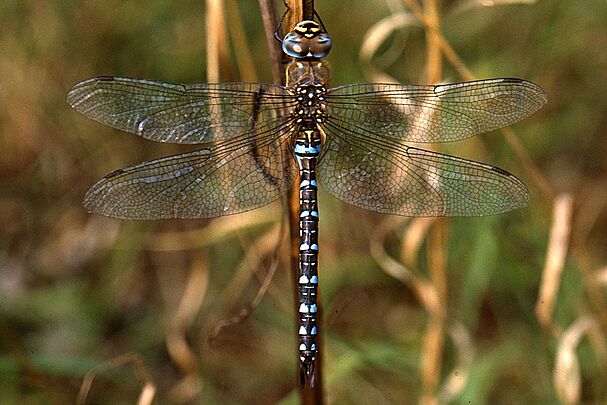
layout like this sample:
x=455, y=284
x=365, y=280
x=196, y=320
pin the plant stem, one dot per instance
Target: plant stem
x=298, y=10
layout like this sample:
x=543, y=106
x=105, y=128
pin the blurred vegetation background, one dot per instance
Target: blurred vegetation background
x=502, y=310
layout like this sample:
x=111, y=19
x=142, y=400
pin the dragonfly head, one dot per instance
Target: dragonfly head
x=307, y=41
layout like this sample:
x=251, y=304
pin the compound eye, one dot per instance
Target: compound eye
x=320, y=46
x=295, y=46
x=307, y=41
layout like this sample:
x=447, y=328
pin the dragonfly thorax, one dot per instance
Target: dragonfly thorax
x=301, y=73
x=311, y=106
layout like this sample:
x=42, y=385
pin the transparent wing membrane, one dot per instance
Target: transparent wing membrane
x=247, y=130
x=179, y=113
x=397, y=179
x=220, y=180
x=441, y=113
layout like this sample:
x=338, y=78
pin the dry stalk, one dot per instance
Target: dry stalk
x=180, y=321
x=413, y=238
x=252, y=262
x=270, y=22
x=567, y=377
x=558, y=246
x=148, y=391
x=242, y=53
x=509, y=134
x=219, y=229
x=298, y=10
x=434, y=338
x=216, y=38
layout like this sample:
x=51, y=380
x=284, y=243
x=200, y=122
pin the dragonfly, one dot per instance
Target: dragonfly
x=257, y=140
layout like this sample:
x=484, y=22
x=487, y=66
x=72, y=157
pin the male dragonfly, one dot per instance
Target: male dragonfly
x=256, y=138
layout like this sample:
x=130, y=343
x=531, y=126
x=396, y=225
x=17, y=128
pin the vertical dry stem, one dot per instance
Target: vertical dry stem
x=215, y=36
x=555, y=260
x=298, y=10
x=270, y=22
x=242, y=52
x=434, y=339
x=509, y=134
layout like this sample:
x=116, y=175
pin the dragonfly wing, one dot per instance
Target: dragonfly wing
x=441, y=113
x=397, y=179
x=179, y=113
x=220, y=180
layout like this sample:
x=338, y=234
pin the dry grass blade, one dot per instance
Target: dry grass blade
x=413, y=239
x=431, y=358
x=424, y=290
x=186, y=391
x=180, y=321
x=264, y=246
x=376, y=247
x=242, y=53
x=532, y=170
x=68, y=246
x=270, y=19
x=567, y=378
x=376, y=36
x=148, y=392
x=555, y=259
x=458, y=377
x=601, y=276
x=591, y=208
x=472, y=4
x=216, y=231
x=434, y=338
x=432, y=353
x=457, y=63
x=447, y=50
x=431, y=293
x=216, y=36
x=434, y=71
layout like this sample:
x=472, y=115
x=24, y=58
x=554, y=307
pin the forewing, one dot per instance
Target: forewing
x=179, y=113
x=397, y=179
x=441, y=113
x=215, y=181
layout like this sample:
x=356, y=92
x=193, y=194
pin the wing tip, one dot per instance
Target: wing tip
x=74, y=96
x=515, y=197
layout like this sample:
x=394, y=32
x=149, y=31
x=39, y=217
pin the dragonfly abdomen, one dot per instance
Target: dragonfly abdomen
x=307, y=150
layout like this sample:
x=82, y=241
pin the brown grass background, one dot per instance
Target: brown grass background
x=502, y=310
